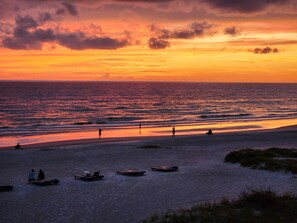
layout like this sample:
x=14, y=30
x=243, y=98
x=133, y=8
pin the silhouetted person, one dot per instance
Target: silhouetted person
x=209, y=132
x=41, y=175
x=18, y=146
x=139, y=125
x=31, y=176
x=173, y=131
x=100, y=133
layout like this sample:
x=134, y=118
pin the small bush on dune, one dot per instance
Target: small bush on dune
x=252, y=206
x=273, y=159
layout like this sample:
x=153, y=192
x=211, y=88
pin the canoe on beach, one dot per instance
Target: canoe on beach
x=45, y=182
x=165, y=168
x=89, y=177
x=131, y=172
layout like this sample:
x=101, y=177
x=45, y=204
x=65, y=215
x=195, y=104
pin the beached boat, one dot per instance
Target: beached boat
x=89, y=177
x=6, y=188
x=45, y=182
x=165, y=168
x=131, y=172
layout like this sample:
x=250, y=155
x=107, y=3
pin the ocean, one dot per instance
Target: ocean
x=36, y=108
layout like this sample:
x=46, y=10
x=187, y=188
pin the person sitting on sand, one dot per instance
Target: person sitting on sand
x=18, y=146
x=209, y=132
x=41, y=175
x=87, y=173
x=31, y=176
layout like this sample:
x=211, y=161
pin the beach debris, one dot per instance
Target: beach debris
x=150, y=147
x=6, y=188
x=131, y=172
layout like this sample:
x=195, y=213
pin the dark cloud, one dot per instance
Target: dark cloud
x=28, y=36
x=245, y=6
x=71, y=8
x=193, y=30
x=44, y=17
x=156, y=43
x=266, y=50
x=78, y=41
x=25, y=22
x=232, y=30
x=60, y=11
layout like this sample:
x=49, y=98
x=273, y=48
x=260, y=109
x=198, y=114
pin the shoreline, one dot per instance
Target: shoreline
x=89, y=141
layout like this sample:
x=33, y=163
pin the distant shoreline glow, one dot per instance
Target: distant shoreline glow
x=136, y=134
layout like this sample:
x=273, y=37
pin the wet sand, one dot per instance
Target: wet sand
x=203, y=176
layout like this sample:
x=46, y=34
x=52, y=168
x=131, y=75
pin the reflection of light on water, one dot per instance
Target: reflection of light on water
x=149, y=131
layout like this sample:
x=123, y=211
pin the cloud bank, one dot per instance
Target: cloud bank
x=27, y=35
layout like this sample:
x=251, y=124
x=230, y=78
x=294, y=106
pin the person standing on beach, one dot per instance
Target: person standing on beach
x=31, y=176
x=100, y=133
x=139, y=128
x=173, y=131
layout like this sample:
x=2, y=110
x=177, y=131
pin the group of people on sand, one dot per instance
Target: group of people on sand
x=40, y=176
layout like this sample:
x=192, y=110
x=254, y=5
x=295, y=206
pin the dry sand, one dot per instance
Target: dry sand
x=203, y=176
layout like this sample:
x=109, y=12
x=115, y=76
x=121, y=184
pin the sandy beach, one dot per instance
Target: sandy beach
x=203, y=176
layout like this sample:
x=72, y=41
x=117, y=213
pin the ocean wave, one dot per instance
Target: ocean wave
x=100, y=121
x=122, y=118
x=83, y=123
x=5, y=127
x=224, y=116
x=121, y=108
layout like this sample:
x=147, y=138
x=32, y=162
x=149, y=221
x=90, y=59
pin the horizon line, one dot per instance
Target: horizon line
x=146, y=81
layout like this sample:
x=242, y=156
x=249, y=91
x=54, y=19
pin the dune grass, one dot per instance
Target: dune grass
x=254, y=206
x=273, y=159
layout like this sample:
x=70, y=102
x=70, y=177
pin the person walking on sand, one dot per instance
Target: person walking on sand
x=31, y=176
x=41, y=175
x=100, y=133
x=173, y=131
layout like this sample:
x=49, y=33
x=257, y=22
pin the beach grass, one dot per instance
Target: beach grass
x=273, y=159
x=253, y=205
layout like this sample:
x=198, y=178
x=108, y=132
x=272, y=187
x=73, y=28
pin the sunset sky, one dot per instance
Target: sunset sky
x=149, y=40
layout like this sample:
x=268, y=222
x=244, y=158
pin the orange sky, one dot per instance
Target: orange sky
x=86, y=40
